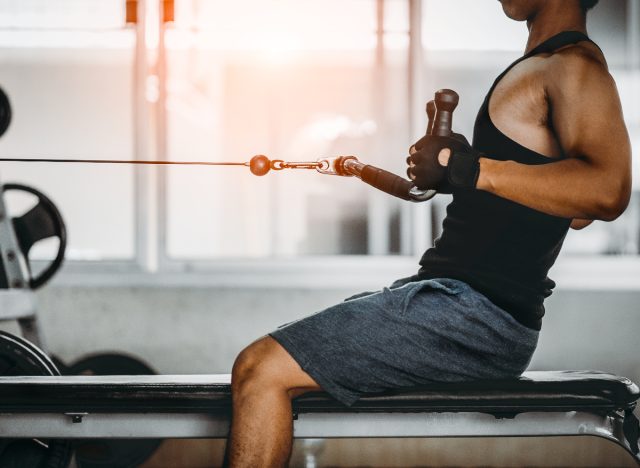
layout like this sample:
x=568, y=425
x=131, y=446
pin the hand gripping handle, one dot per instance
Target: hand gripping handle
x=439, y=114
x=415, y=193
x=382, y=180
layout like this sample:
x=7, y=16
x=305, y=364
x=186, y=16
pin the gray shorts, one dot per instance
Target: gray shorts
x=412, y=333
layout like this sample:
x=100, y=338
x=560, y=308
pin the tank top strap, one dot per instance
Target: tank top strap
x=559, y=40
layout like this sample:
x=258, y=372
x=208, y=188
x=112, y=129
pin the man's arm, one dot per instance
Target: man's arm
x=594, y=181
x=580, y=223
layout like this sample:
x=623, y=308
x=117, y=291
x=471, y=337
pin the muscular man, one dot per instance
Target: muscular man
x=550, y=151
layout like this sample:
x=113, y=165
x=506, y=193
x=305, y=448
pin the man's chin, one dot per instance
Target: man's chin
x=517, y=10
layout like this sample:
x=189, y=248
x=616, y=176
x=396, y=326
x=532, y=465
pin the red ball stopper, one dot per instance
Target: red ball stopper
x=259, y=165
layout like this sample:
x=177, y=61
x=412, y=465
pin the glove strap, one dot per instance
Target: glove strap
x=463, y=169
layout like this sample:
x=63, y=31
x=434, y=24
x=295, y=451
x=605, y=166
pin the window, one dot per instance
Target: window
x=292, y=80
x=295, y=81
x=67, y=67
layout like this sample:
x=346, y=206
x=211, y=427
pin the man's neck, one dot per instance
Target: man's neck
x=552, y=20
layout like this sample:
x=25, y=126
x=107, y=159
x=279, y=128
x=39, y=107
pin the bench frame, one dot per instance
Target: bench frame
x=143, y=407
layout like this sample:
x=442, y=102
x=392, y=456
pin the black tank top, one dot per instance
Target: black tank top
x=501, y=248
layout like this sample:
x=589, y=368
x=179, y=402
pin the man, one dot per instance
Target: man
x=550, y=151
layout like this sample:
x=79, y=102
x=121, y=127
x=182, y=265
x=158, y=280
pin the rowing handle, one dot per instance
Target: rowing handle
x=446, y=100
x=391, y=183
x=440, y=117
x=431, y=112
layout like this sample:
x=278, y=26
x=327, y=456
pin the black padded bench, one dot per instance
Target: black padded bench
x=189, y=406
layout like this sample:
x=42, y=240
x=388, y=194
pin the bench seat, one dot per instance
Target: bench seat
x=538, y=403
x=534, y=391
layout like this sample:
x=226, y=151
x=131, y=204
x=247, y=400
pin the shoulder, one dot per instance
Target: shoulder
x=583, y=100
x=576, y=68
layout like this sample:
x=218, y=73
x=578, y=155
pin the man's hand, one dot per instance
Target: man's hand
x=443, y=163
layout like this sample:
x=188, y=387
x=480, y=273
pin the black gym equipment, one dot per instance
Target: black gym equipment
x=42, y=221
x=18, y=273
x=112, y=363
x=19, y=357
x=5, y=112
x=113, y=453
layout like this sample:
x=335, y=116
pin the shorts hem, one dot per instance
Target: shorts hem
x=341, y=394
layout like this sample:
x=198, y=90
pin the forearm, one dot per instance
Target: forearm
x=569, y=188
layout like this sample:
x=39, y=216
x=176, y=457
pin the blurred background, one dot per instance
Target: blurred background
x=185, y=266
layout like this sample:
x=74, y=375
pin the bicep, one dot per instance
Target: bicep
x=586, y=117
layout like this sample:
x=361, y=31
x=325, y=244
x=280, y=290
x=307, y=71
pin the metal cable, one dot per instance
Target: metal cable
x=126, y=161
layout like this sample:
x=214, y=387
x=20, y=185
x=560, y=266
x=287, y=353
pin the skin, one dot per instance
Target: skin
x=560, y=104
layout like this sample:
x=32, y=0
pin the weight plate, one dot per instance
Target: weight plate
x=110, y=364
x=60, y=365
x=112, y=453
x=20, y=357
x=5, y=112
x=42, y=221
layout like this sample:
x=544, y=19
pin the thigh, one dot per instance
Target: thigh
x=353, y=347
x=421, y=332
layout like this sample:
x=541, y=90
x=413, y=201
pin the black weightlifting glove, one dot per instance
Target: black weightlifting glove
x=462, y=170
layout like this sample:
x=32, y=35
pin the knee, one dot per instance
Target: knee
x=245, y=364
x=253, y=368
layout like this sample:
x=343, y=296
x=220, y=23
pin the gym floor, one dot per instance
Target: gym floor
x=405, y=453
